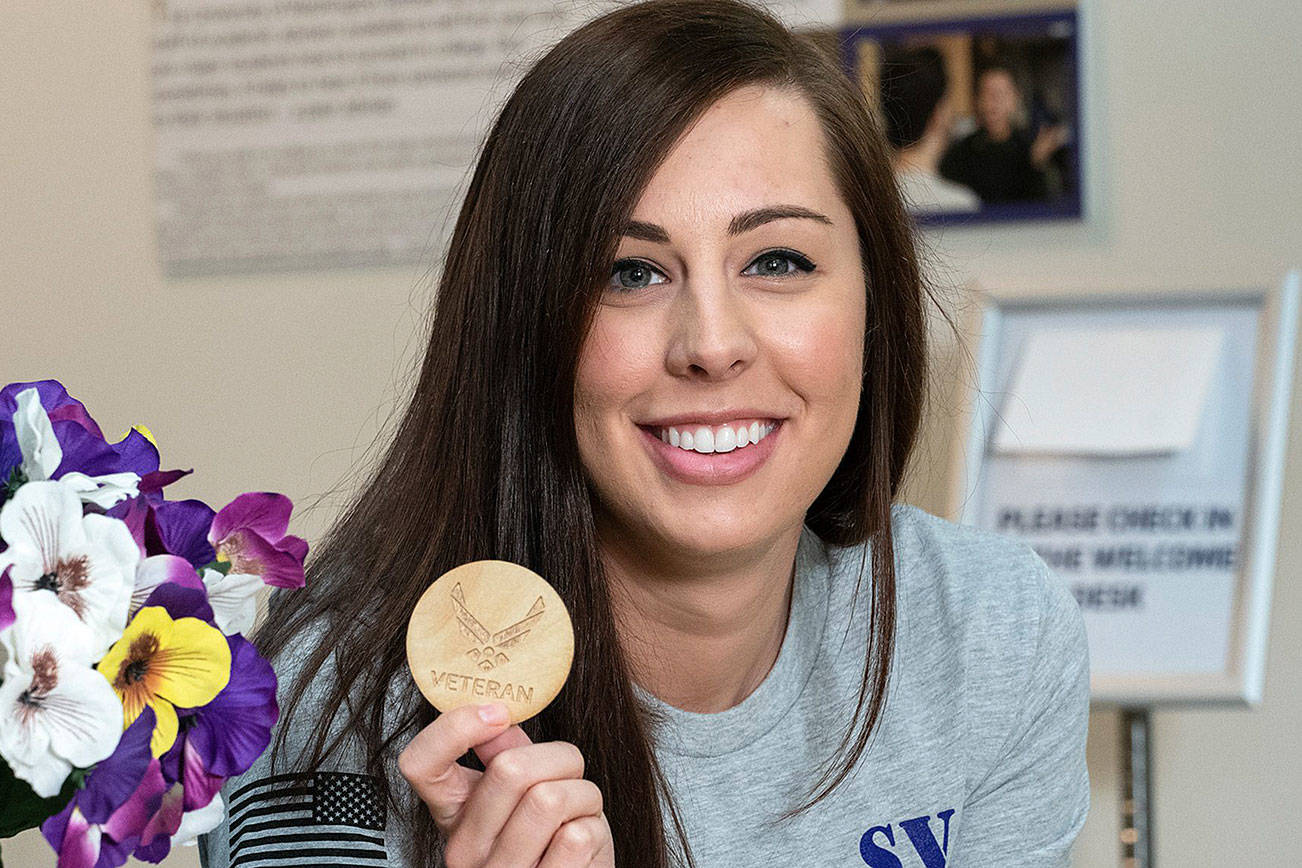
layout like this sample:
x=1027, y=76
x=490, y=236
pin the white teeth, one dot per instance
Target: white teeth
x=724, y=438
x=703, y=440
x=726, y=441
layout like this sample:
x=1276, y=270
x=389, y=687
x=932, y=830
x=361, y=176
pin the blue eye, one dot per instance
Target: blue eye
x=643, y=271
x=775, y=256
x=637, y=267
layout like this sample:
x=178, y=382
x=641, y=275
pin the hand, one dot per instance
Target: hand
x=1047, y=141
x=531, y=806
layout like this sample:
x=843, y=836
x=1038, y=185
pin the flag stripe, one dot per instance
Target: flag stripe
x=299, y=853
x=250, y=813
x=377, y=840
x=277, y=824
x=283, y=792
x=270, y=779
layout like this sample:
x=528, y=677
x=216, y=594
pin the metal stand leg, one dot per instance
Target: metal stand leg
x=1137, y=787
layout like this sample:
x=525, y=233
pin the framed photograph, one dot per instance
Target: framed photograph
x=982, y=113
x=1137, y=443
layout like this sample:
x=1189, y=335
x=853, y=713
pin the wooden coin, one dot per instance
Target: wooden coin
x=490, y=631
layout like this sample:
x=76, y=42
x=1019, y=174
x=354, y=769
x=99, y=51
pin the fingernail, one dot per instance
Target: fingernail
x=493, y=712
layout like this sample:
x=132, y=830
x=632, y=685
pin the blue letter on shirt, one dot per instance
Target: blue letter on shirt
x=875, y=856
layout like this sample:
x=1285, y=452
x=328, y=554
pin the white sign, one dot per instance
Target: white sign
x=1137, y=445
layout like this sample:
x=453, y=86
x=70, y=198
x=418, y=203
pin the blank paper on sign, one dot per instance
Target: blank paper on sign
x=1108, y=391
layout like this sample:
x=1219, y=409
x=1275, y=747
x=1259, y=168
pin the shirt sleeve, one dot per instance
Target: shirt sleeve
x=1027, y=811
x=278, y=816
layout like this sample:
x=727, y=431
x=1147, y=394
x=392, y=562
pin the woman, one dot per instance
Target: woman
x=682, y=227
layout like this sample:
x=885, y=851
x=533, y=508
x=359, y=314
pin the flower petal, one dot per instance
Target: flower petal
x=42, y=518
x=266, y=513
x=165, y=729
x=82, y=714
x=234, y=600
x=157, y=569
x=80, y=842
x=42, y=453
x=255, y=555
x=133, y=816
x=200, y=784
x=198, y=822
x=23, y=742
x=180, y=527
x=105, y=490
x=156, y=840
x=6, y=599
x=193, y=665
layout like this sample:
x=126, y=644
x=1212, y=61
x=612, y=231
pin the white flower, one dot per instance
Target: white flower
x=234, y=599
x=56, y=712
x=42, y=455
x=87, y=563
x=198, y=822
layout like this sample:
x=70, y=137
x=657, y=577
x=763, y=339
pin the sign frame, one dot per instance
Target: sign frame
x=1242, y=680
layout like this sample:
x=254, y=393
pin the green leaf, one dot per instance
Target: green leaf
x=26, y=810
x=16, y=478
x=223, y=567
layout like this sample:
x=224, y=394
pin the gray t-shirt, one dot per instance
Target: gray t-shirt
x=978, y=760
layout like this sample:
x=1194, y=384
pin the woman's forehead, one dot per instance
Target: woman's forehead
x=754, y=148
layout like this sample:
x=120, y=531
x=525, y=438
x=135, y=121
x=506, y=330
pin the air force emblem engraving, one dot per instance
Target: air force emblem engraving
x=488, y=653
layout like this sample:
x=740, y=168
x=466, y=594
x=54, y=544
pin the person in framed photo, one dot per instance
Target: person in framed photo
x=1003, y=160
x=677, y=365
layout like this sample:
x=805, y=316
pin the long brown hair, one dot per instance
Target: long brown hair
x=484, y=461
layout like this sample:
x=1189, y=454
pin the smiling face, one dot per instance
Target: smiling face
x=735, y=310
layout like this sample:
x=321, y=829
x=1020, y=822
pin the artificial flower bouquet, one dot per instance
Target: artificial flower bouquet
x=129, y=692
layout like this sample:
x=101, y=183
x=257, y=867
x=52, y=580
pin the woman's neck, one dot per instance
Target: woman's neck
x=702, y=638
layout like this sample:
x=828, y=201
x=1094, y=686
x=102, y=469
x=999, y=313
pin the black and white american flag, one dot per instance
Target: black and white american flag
x=328, y=818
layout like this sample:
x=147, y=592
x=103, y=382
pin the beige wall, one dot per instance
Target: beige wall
x=279, y=381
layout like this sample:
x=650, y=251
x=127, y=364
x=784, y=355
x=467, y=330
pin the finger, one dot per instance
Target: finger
x=429, y=761
x=582, y=841
x=507, y=777
x=513, y=737
x=543, y=810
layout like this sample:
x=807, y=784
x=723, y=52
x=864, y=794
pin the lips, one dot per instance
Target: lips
x=708, y=468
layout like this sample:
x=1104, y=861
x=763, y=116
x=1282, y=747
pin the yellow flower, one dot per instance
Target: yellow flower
x=165, y=664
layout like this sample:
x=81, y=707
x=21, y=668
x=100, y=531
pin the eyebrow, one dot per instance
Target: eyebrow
x=741, y=223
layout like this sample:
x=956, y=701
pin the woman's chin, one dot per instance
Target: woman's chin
x=717, y=535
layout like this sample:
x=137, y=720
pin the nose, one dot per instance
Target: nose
x=713, y=337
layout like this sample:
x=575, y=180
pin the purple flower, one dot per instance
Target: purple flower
x=249, y=532
x=6, y=599
x=104, y=821
x=84, y=448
